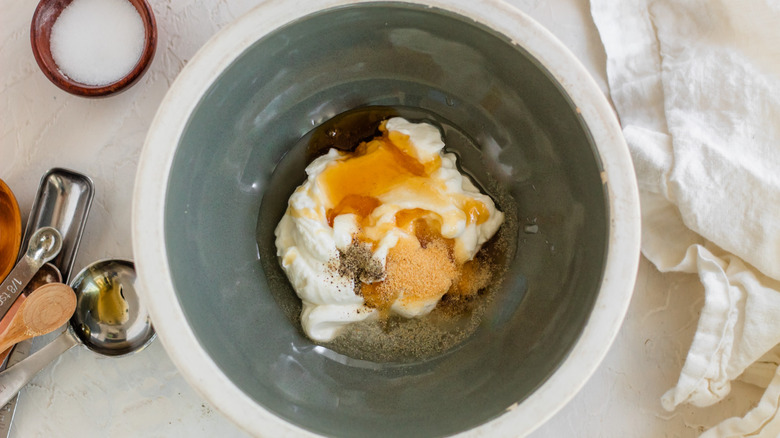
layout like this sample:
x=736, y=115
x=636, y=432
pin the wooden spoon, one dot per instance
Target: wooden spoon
x=47, y=274
x=47, y=308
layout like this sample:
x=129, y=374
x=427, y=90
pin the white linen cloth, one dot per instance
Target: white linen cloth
x=696, y=84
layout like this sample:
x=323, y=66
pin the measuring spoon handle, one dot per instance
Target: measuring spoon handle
x=16, y=280
x=15, y=378
x=44, y=245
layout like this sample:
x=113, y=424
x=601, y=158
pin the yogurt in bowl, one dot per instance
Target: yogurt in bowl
x=391, y=196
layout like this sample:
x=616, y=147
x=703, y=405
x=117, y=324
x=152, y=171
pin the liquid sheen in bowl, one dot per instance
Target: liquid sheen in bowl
x=545, y=134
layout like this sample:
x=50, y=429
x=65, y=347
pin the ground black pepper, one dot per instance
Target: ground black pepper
x=359, y=264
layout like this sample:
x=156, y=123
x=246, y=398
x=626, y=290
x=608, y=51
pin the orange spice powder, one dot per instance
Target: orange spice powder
x=416, y=272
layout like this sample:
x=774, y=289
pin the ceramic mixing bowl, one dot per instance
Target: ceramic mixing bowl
x=219, y=164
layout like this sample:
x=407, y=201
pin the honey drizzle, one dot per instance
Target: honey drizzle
x=354, y=183
x=421, y=268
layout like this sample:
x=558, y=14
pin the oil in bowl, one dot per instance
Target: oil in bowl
x=109, y=318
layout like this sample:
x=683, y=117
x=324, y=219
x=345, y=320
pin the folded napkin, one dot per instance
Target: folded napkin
x=696, y=84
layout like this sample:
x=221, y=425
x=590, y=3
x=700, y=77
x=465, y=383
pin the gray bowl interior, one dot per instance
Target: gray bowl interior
x=534, y=146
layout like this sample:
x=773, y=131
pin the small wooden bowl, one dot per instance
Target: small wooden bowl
x=43, y=19
x=10, y=229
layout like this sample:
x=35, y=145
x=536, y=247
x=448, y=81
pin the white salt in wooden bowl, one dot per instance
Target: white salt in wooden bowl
x=92, y=65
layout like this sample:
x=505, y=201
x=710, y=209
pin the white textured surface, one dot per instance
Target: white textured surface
x=82, y=394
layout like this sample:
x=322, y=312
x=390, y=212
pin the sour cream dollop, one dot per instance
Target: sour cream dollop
x=377, y=196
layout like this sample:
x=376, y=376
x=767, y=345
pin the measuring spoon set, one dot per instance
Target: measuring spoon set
x=100, y=302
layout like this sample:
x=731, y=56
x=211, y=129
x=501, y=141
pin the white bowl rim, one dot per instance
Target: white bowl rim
x=156, y=287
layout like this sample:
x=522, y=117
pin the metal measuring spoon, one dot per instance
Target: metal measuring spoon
x=44, y=245
x=109, y=320
x=63, y=201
